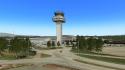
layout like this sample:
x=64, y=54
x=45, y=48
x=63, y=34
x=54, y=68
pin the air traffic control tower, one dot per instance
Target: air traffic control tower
x=59, y=20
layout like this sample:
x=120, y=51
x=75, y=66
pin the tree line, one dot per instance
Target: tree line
x=18, y=46
x=88, y=44
x=67, y=43
x=114, y=37
x=52, y=44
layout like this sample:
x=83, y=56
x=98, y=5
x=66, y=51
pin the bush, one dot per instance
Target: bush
x=32, y=53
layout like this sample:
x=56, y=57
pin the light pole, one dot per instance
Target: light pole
x=78, y=47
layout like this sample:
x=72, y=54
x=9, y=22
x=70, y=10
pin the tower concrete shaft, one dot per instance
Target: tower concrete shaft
x=59, y=32
x=59, y=20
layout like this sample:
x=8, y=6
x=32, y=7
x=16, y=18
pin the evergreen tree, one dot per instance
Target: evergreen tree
x=26, y=46
x=58, y=43
x=84, y=43
x=73, y=44
x=53, y=43
x=3, y=44
x=49, y=44
x=67, y=42
x=90, y=43
x=99, y=45
x=78, y=41
x=106, y=41
x=14, y=46
x=20, y=46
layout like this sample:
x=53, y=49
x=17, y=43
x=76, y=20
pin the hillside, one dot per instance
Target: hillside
x=6, y=35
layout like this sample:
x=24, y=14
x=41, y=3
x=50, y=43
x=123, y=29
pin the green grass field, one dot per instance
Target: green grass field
x=106, y=59
x=100, y=58
x=7, y=57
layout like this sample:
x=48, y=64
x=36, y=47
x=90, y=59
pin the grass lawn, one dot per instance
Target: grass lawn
x=7, y=58
x=106, y=59
x=115, y=68
x=103, y=54
x=50, y=48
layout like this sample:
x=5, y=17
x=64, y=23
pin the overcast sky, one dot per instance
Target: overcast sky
x=83, y=17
